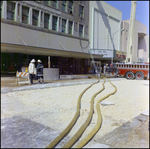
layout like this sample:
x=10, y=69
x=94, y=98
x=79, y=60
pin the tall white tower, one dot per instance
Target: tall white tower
x=130, y=35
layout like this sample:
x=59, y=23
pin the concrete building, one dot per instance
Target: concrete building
x=54, y=31
x=105, y=31
x=140, y=52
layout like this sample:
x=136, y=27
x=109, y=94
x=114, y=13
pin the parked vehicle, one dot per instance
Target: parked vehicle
x=131, y=71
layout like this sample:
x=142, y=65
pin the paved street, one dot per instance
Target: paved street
x=29, y=122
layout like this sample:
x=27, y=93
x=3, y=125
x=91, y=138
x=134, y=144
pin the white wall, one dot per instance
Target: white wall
x=15, y=34
x=141, y=47
x=104, y=20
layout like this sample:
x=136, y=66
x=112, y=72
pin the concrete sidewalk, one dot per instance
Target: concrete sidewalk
x=133, y=134
x=9, y=84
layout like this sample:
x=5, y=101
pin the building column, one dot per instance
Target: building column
x=42, y=19
x=30, y=15
x=58, y=24
x=16, y=11
x=50, y=22
x=83, y=30
x=73, y=27
x=4, y=11
x=67, y=24
x=20, y=13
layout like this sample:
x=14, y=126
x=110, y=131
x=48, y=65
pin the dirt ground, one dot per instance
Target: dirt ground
x=55, y=107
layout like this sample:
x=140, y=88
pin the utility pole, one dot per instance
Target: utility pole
x=130, y=35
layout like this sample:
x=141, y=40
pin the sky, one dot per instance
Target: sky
x=142, y=10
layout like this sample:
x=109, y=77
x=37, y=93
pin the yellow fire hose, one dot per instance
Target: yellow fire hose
x=85, y=124
x=99, y=121
x=68, y=128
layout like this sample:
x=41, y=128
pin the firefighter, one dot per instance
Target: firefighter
x=31, y=70
x=39, y=71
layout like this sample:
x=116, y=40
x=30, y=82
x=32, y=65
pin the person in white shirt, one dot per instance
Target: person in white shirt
x=31, y=70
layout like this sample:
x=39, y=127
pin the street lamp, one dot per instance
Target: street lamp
x=113, y=47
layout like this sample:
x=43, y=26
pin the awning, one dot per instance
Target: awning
x=31, y=50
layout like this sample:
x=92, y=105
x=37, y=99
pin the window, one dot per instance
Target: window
x=80, y=30
x=54, y=4
x=70, y=27
x=63, y=25
x=64, y=6
x=47, y=3
x=70, y=10
x=1, y=8
x=54, y=23
x=35, y=17
x=81, y=9
x=10, y=11
x=46, y=20
x=25, y=14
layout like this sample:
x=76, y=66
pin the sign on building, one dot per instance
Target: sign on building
x=105, y=53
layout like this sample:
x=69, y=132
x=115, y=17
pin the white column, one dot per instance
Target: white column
x=67, y=24
x=20, y=13
x=4, y=9
x=78, y=29
x=50, y=22
x=30, y=16
x=83, y=30
x=73, y=27
x=16, y=10
x=58, y=24
x=39, y=21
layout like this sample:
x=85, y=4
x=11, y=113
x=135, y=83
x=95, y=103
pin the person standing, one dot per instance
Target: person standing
x=31, y=70
x=105, y=69
x=39, y=71
x=99, y=69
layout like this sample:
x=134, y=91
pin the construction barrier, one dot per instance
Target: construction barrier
x=24, y=76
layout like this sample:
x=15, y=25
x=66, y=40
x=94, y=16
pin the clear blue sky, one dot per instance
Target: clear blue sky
x=142, y=10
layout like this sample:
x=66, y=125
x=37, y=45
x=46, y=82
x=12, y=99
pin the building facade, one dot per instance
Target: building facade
x=105, y=31
x=53, y=31
x=140, y=49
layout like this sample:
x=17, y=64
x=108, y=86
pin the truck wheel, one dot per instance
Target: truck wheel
x=129, y=75
x=139, y=76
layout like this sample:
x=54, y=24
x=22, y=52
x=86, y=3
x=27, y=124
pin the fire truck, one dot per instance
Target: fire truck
x=131, y=71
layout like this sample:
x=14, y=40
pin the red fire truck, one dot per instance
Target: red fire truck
x=131, y=71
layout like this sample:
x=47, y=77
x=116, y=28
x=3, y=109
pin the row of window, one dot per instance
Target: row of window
x=64, y=6
x=45, y=18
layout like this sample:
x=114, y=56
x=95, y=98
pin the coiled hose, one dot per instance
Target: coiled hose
x=68, y=128
x=85, y=124
x=99, y=121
